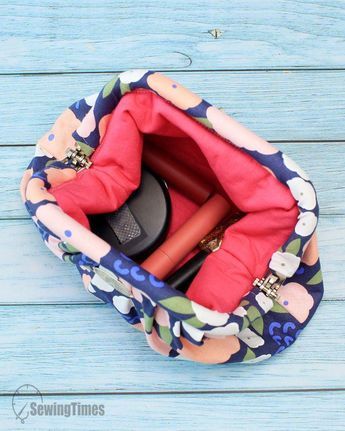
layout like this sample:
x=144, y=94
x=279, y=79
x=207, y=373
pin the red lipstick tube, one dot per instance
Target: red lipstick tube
x=187, y=237
x=177, y=175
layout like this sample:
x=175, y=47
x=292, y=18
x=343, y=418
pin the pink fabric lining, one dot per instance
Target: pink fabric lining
x=143, y=117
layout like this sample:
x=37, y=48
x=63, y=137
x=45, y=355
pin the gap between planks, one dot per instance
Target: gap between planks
x=185, y=70
x=189, y=392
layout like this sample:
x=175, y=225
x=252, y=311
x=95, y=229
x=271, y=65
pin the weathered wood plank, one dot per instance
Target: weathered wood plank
x=283, y=106
x=324, y=162
x=68, y=36
x=298, y=411
x=30, y=273
x=90, y=348
x=55, y=346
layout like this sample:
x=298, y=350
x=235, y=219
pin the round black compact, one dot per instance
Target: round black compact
x=141, y=224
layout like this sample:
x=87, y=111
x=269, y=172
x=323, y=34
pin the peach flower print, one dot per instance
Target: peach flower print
x=296, y=299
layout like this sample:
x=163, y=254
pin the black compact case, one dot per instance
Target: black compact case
x=141, y=223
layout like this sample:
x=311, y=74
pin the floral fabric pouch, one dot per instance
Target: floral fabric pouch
x=256, y=293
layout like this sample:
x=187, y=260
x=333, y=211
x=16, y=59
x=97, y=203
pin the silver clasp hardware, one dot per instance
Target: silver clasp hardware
x=269, y=285
x=77, y=158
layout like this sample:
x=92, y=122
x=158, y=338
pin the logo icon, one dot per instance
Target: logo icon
x=21, y=400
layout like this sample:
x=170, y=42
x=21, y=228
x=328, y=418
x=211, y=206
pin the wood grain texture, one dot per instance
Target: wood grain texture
x=91, y=348
x=67, y=36
x=323, y=161
x=30, y=273
x=279, y=68
x=279, y=105
x=180, y=412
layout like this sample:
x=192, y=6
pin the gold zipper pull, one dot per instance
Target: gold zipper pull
x=269, y=285
x=77, y=158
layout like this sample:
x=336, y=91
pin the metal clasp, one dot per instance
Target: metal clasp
x=269, y=285
x=77, y=158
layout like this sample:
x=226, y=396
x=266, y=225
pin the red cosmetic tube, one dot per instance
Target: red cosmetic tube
x=177, y=175
x=163, y=260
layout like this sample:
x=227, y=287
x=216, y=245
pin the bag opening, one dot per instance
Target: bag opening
x=143, y=118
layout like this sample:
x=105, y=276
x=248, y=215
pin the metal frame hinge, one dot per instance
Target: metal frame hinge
x=77, y=158
x=269, y=285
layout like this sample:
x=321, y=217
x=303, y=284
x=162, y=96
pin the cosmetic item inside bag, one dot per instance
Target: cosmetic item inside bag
x=144, y=118
x=140, y=224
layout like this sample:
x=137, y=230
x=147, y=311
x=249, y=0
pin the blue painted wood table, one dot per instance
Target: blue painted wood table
x=278, y=66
